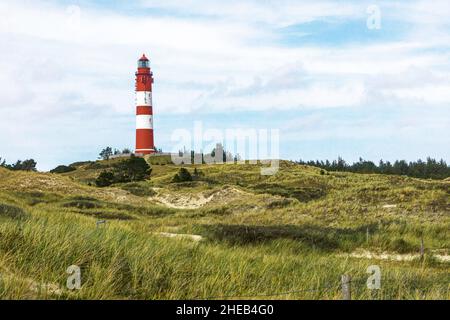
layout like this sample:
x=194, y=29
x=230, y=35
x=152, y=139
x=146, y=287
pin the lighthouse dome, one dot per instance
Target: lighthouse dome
x=143, y=62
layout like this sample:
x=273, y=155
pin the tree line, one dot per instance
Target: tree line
x=108, y=152
x=429, y=169
x=26, y=165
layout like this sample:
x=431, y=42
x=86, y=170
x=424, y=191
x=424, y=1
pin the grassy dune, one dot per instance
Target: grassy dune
x=296, y=233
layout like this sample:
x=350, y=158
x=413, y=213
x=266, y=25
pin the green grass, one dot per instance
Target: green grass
x=262, y=235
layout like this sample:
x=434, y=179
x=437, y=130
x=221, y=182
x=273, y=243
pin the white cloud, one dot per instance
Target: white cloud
x=277, y=13
x=89, y=57
x=59, y=64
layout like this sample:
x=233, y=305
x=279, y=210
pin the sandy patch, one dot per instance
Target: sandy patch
x=192, y=237
x=364, y=254
x=194, y=201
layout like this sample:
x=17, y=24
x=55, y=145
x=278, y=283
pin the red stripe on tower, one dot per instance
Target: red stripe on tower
x=144, y=110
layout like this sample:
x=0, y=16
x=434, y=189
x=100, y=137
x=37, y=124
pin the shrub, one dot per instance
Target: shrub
x=129, y=170
x=105, y=179
x=183, y=175
x=401, y=246
x=12, y=212
x=139, y=190
x=132, y=169
x=198, y=174
x=26, y=165
x=82, y=204
x=62, y=169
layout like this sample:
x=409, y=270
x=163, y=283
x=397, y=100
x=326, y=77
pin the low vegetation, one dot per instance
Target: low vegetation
x=63, y=169
x=26, y=165
x=183, y=175
x=297, y=231
x=128, y=170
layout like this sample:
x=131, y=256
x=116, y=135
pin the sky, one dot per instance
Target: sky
x=354, y=79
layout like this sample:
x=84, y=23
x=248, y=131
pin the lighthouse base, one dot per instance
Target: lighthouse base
x=144, y=152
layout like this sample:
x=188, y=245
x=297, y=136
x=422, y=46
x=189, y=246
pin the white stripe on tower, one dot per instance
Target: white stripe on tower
x=143, y=98
x=144, y=121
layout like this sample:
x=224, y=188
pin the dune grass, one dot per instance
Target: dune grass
x=285, y=237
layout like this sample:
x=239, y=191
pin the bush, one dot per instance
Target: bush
x=132, y=169
x=183, y=175
x=26, y=165
x=198, y=175
x=62, y=169
x=82, y=204
x=12, y=212
x=139, y=190
x=400, y=245
x=129, y=170
x=105, y=179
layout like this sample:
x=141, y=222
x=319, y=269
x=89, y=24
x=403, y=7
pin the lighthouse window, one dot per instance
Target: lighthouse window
x=143, y=64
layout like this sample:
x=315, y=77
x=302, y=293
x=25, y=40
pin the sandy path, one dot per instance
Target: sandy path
x=194, y=201
x=364, y=254
x=192, y=237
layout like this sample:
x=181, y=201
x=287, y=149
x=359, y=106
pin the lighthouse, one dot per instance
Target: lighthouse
x=144, y=108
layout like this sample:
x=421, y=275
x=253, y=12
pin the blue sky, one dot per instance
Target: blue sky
x=312, y=69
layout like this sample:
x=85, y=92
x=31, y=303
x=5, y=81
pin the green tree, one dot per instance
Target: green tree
x=132, y=169
x=106, y=153
x=26, y=165
x=401, y=167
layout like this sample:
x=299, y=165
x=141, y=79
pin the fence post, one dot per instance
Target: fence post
x=367, y=235
x=422, y=249
x=346, y=289
x=100, y=222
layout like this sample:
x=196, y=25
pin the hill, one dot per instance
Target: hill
x=229, y=232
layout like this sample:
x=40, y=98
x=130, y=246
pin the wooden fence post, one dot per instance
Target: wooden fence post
x=100, y=222
x=367, y=235
x=422, y=249
x=346, y=287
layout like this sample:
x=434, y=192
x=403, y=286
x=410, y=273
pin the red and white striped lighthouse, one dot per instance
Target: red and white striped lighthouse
x=144, y=108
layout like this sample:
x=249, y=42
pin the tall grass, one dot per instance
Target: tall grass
x=291, y=242
x=118, y=262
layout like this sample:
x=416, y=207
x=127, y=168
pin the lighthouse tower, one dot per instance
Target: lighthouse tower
x=144, y=108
